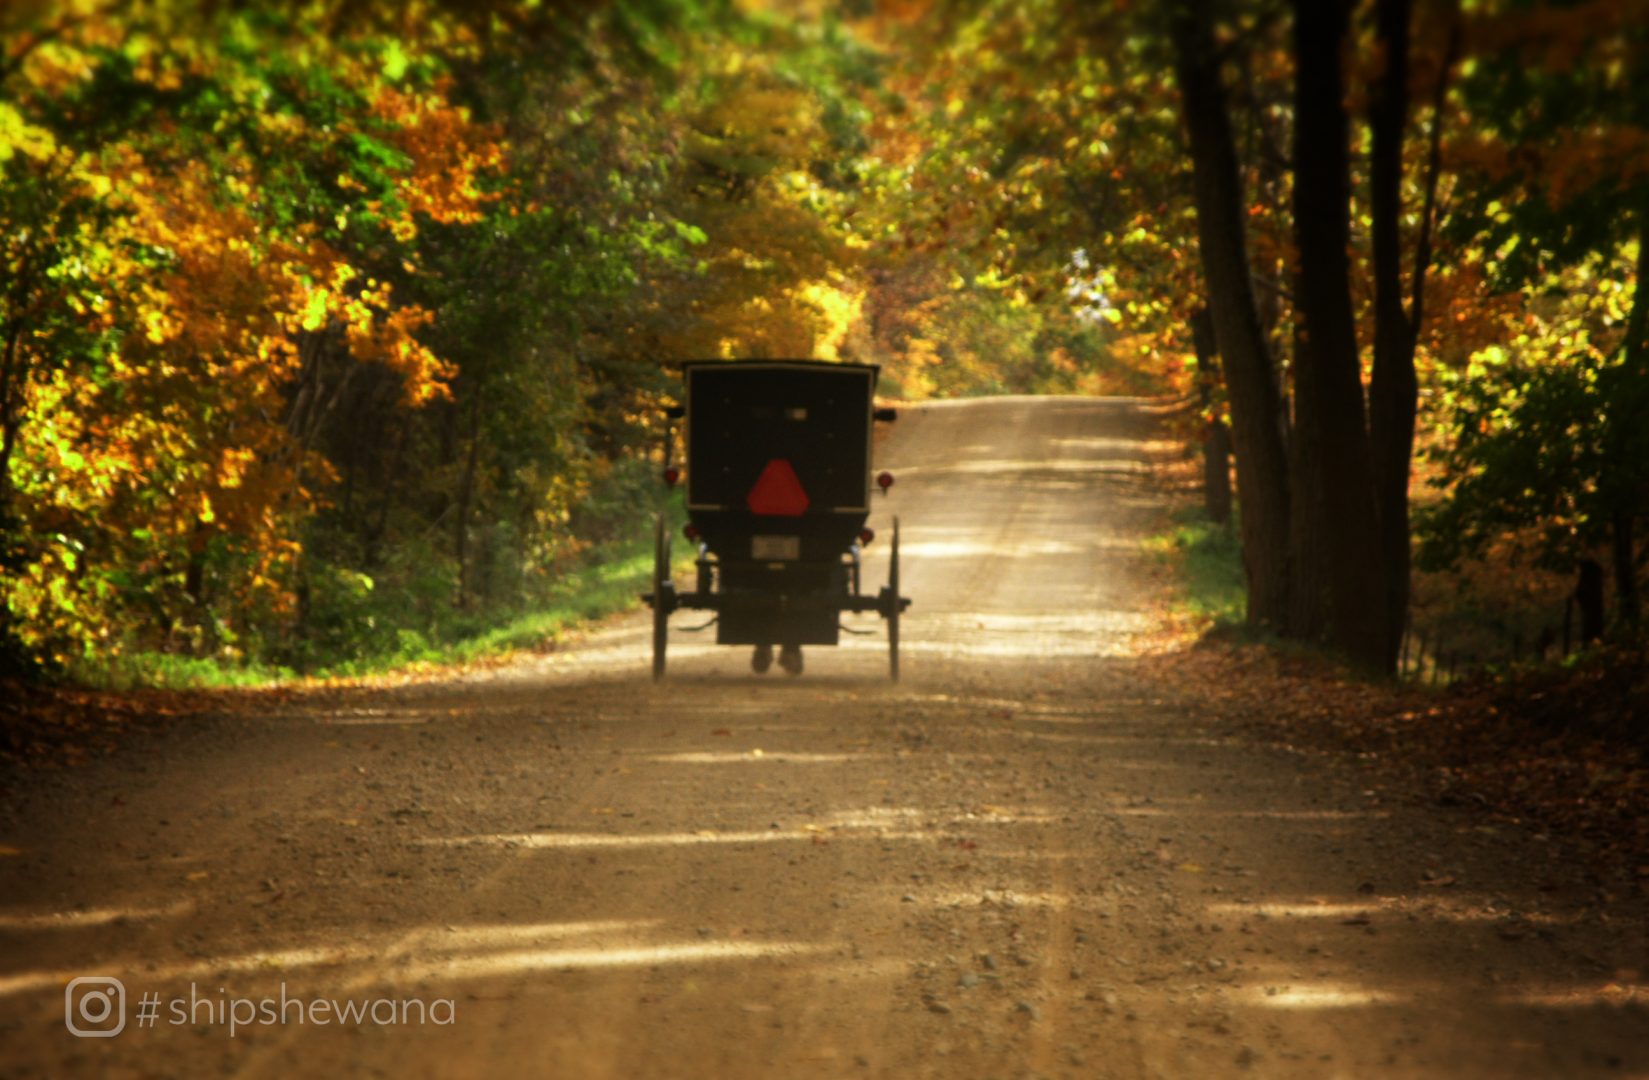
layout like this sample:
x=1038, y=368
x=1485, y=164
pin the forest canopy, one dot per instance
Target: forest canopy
x=334, y=329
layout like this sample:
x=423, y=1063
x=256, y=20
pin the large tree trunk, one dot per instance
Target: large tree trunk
x=1330, y=412
x=1588, y=597
x=1624, y=550
x=12, y=391
x=466, y=495
x=1216, y=440
x=1626, y=442
x=1393, y=388
x=1309, y=594
x=1250, y=374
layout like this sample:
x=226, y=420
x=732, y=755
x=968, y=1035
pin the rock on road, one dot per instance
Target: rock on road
x=1031, y=857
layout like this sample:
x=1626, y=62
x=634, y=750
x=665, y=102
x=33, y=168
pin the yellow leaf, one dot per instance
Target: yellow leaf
x=314, y=309
x=17, y=134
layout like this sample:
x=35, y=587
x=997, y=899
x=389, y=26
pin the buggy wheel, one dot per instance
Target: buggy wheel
x=893, y=610
x=661, y=597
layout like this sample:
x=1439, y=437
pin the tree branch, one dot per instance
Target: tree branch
x=1434, y=171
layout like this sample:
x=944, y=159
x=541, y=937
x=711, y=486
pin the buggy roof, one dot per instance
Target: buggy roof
x=826, y=365
x=810, y=419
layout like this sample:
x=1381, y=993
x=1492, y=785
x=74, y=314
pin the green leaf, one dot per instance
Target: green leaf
x=396, y=61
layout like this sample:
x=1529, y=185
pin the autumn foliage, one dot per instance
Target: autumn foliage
x=197, y=210
x=331, y=329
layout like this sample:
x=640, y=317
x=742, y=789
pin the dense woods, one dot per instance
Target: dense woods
x=332, y=330
x=1415, y=229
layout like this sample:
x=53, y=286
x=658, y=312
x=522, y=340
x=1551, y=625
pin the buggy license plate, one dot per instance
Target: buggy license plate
x=775, y=548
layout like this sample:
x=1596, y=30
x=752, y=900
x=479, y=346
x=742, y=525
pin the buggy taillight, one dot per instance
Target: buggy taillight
x=672, y=476
x=690, y=531
x=884, y=481
x=778, y=492
x=866, y=536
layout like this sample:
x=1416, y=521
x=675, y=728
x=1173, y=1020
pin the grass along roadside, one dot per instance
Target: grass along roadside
x=611, y=581
x=67, y=723
x=1206, y=561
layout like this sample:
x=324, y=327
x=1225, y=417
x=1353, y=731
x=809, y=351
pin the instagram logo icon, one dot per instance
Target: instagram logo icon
x=94, y=1007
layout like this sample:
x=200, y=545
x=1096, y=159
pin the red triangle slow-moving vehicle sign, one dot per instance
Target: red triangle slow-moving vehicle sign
x=778, y=493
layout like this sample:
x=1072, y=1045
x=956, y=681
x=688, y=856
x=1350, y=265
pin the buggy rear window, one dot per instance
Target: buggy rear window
x=815, y=416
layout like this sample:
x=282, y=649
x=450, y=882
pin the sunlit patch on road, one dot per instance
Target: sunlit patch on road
x=373, y=954
x=1005, y=899
x=755, y=756
x=1189, y=810
x=1020, y=469
x=70, y=920
x=976, y=549
x=429, y=954
x=1317, y=996
x=998, y=635
x=528, y=960
x=373, y=717
x=1610, y=992
x=1430, y=906
x=873, y=823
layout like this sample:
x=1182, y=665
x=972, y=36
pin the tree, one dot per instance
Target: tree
x=192, y=294
x=1558, y=193
x=330, y=328
x=1348, y=450
x=1340, y=591
x=1257, y=423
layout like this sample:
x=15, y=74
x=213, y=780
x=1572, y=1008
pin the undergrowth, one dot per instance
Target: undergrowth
x=610, y=580
x=1207, y=561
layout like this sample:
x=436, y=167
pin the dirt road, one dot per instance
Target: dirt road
x=1029, y=858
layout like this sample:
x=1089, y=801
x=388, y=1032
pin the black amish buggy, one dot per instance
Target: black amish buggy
x=778, y=490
